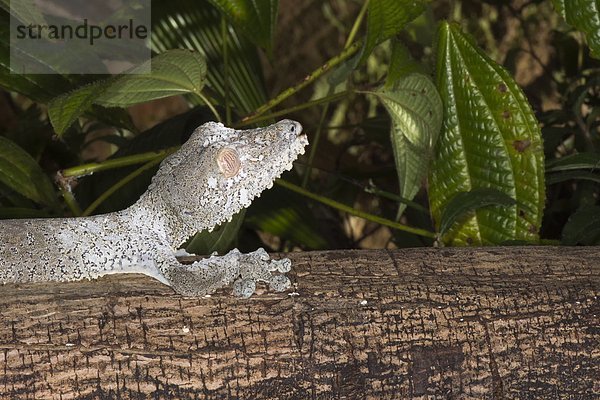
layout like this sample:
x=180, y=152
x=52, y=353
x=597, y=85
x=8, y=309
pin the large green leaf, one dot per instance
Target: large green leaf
x=416, y=113
x=489, y=139
x=385, y=18
x=196, y=25
x=583, y=15
x=20, y=172
x=256, y=18
x=172, y=72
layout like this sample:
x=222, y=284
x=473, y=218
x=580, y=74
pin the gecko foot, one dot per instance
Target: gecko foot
x=244, y=270
x=257, y=266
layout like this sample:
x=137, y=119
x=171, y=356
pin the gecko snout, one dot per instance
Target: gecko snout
x=296, y=128
x=291, y=128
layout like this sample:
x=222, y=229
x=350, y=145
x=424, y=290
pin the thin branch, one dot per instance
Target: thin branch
x=313, y=76
x=357, y=23
x=224, y=39
x=111, y=190
x=88, y=169
x=299, y=107
x=209, y=105
x=313, y=148
x=361, y=214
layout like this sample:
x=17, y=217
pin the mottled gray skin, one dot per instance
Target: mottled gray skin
x=215, y=174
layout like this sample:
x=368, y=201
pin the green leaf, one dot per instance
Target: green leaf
x=196, y=24
x=489, y=139
x=20, y=172
x=558, y=177
x=172, y=72
x=586, y=160
x=415, y=109
x=44, y=87
x=36, y=87
x=25, y=11
x=583, y=15
x=464, y=202
x=401, y=63
x=386, y=18
x=220, y=239
x=65, y=109
x=10, y=198
x=256, y=18
x=583, y=227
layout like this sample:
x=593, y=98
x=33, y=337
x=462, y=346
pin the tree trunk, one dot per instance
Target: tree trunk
x=487, y=323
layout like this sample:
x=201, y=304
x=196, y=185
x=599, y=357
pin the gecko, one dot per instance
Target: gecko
x=216, y=173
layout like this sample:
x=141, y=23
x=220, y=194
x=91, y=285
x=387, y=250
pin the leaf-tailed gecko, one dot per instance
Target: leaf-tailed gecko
x=214, y=175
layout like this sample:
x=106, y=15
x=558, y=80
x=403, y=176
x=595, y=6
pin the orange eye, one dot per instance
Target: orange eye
x=229, y=162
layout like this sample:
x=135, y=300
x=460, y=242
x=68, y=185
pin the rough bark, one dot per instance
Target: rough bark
x=493, y=323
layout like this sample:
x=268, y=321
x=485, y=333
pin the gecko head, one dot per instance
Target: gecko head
x=219, y=171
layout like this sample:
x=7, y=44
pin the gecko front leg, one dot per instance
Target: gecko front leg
x=244, y=270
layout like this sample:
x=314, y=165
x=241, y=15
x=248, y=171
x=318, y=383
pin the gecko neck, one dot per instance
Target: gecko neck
x=154, y=212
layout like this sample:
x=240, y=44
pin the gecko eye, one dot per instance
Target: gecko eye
x=295, y=128
x=229, y=162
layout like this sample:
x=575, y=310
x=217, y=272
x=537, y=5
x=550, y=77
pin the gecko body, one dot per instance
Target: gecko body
x=214, y=175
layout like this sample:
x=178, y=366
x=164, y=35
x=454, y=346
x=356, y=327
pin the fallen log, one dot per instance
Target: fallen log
x=460, y=323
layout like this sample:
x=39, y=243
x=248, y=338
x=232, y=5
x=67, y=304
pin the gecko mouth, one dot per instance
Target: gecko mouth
x=295, y=150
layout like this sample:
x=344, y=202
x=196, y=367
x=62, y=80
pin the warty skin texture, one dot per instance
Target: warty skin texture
x=214, y=175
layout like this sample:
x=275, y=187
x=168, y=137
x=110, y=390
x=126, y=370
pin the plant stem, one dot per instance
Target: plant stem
x=87, y=169
x=313, y=148
x=64, y=185
x=111, y=190
x=70, y=201
x=308, y=104
x=209, y=105
x=372, y=189
x=357, y=22
x=317, y=138
x=224, y=40
x=316, y=74
x=350, y=210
